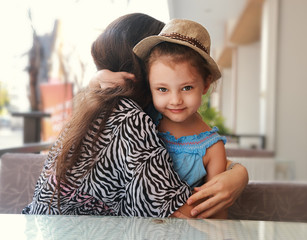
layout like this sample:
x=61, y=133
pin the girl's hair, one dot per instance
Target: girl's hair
x=178, y=54
x=111, y=50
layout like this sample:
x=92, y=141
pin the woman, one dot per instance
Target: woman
x=108, y=160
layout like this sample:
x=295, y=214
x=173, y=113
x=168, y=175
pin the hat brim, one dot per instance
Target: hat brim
x=143, y=48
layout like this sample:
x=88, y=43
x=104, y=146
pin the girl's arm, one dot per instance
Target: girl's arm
x=215, y=160
x=215, y=163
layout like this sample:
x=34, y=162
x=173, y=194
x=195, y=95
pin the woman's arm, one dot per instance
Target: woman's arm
x=219, y=193
x=107, y=79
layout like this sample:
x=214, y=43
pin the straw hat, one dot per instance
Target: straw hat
x=184, y=32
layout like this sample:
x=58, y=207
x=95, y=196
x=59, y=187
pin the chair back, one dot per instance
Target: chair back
x=271, y=201
x=19, y=173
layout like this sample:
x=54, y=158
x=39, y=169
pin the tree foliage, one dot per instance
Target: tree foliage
x=212, y=116
x=4, y=100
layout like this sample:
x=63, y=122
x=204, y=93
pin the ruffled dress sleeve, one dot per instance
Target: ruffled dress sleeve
x=187, y=154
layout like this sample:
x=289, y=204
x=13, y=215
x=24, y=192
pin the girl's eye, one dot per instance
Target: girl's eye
x=187, y=88
x=162, y=89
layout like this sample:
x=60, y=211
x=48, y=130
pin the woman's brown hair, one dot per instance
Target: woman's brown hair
x=111, y=50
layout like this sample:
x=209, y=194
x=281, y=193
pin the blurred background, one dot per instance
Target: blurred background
x=260, y=103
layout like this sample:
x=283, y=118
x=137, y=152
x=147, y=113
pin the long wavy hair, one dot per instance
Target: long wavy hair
x=111, y=50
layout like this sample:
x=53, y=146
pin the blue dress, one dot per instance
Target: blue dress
x=187, y=152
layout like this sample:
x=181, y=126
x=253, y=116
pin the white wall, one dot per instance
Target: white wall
x=226, y=105
x=240, y=90
x=248, y=83
x=269, y=44
x=291, y=94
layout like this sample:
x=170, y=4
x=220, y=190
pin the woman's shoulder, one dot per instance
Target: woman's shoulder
x=127, y=104
x=129, y=112
x=127, y=107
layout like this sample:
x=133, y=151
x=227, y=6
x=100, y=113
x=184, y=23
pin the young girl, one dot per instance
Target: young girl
x=180, y=70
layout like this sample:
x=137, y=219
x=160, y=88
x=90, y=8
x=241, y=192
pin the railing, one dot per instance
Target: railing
x=239, y=137
x=32, y=125
x=27, y=148
x=256, y=153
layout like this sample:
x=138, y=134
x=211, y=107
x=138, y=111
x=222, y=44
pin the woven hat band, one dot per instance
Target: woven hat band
x=192, y=41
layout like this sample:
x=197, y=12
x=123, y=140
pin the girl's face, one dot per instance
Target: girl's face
x=176, y=88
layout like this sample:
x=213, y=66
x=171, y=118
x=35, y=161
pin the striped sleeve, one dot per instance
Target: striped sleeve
x=154, y=189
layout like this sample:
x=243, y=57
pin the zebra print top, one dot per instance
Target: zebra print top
x=132, y=174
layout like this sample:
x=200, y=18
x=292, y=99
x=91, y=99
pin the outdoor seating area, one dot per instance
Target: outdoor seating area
x=149, y=118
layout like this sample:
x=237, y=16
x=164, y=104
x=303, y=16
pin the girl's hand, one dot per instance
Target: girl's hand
x=219, y=193
x=107, y=79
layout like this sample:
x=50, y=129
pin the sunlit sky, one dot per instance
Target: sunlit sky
x=82, y=21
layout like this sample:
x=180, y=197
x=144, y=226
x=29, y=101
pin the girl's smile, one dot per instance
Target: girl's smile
x=177, y=110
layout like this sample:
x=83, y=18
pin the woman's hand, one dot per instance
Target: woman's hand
x=107, y=79
x=219, y=193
